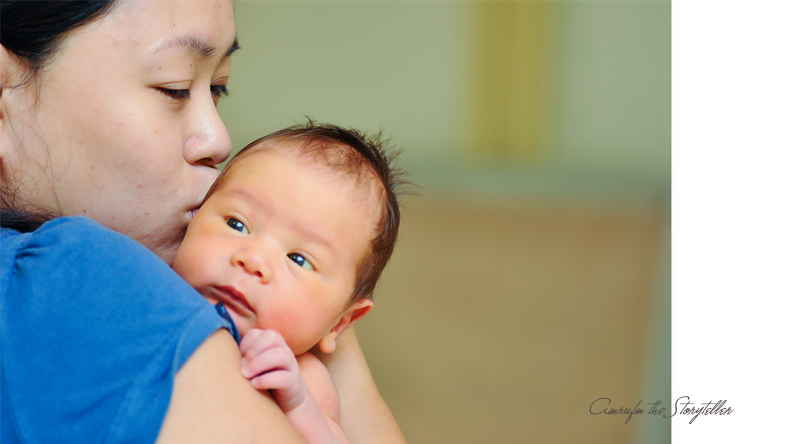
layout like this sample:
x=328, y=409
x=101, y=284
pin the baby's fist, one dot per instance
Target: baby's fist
x=269, y=364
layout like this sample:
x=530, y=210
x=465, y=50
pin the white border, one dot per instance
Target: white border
x=736, y=201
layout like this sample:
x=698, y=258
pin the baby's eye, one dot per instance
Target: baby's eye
x=301, y=261
x=236, y=225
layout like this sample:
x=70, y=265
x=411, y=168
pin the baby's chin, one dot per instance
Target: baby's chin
x=244, y=325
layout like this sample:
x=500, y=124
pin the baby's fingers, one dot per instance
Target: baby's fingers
x=249, y=339
x=257, y=340
x=270, y=359
x=273, y=380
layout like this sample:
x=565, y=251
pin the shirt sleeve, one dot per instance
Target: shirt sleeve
x=94, y=329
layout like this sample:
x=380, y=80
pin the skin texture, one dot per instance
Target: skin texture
x=109, y=116
x=279, y=244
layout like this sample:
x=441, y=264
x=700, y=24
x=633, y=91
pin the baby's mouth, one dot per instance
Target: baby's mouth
x=234, y=300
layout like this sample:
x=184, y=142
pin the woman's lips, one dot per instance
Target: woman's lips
x=234, y=300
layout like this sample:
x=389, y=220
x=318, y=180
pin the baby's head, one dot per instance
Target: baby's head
x=295, y=232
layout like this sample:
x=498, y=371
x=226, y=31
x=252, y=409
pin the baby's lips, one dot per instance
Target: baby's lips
x=234, y=300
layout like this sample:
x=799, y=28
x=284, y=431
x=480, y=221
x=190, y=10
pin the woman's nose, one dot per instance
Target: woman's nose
x=209, y=143
x=254, y=261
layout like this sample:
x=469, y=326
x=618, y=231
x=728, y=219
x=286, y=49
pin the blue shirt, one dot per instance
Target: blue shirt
x=94, y=329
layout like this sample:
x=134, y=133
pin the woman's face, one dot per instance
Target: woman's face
x=122, y=125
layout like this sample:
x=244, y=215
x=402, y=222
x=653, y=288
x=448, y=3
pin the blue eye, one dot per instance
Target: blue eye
x=301, y=261
x=236, y=225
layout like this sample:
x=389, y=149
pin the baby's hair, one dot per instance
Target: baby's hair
x=354, y=153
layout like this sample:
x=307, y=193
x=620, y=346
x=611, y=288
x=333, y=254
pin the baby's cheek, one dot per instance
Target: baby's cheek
x=181, y=266
x=290, y=324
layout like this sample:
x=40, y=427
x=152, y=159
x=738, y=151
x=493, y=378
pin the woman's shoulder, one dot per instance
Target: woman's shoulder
x=75, y=224
x=80, y=272
x=76, y=258
x=68, y=232
x=76, y=245
x=94, y=316
x=73, y=273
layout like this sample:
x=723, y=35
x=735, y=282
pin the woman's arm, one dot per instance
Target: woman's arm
x=213, y=403
x=365, y=416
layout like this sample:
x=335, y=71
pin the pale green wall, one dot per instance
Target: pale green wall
x=405, y=67
x=369, y=65
x=615, y=99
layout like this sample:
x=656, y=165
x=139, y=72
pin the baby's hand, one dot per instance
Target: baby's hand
x=269, y=364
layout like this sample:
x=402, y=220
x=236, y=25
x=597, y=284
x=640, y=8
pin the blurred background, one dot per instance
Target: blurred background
x=532, y=272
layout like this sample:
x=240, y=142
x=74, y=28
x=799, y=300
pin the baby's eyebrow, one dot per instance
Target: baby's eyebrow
x=311, y=236
x=316, y=238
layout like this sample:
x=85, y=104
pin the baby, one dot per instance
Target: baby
x=291, y=239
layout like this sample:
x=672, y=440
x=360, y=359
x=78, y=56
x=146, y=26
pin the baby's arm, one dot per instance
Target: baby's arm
x=320, y=384
x=269, y=364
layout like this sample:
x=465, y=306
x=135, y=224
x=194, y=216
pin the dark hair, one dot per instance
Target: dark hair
x=33, y=31
x=356, y=154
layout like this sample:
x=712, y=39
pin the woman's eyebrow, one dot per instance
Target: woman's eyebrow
x=233, y=48
x=204, y=49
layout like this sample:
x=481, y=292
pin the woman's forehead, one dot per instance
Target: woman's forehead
x=204, y=26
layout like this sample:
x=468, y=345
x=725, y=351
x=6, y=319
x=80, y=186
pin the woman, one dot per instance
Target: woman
x=108, y=110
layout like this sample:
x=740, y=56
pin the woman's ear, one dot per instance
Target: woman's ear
x=4, y=68
x=9, y=77
x=353, y=313
x=7, y=69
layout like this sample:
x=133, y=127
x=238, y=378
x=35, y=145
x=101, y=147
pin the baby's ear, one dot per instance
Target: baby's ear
x=353, y=313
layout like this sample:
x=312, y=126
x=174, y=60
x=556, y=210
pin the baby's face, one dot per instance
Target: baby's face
x=278, y=244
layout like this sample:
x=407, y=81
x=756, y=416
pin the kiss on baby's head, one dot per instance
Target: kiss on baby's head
x=295, y=233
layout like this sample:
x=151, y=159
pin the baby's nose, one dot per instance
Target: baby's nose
x=255, y=263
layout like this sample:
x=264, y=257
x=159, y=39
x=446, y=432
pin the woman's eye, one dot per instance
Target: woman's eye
x=301, y=261
x=177, y=94
x=219, y=90
x=236, y=225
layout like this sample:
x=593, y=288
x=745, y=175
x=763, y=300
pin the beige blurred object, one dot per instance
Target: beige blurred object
x=503, y=321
